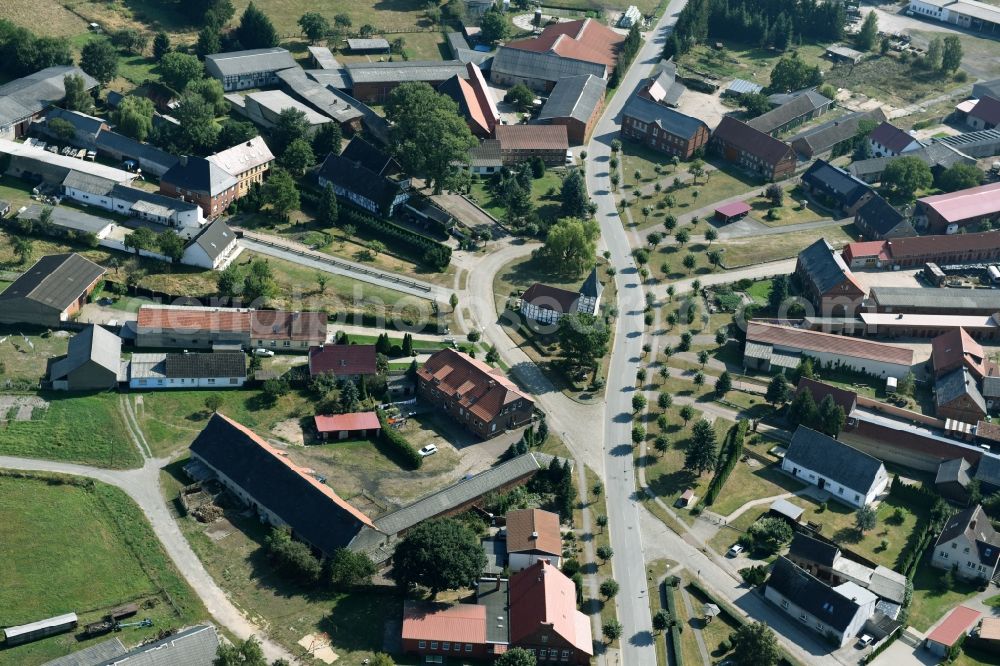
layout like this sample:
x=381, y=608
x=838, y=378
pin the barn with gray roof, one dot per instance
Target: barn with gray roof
x=51, y=291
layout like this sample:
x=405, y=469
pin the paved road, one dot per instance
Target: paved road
x=637, y=642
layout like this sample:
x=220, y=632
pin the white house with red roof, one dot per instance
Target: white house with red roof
x=887, y=140
x=343, y=426
x=343, y=361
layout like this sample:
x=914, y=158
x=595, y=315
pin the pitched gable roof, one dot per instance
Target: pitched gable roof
x=880, y=216
x=823, y=137
x=197, y=174
x=954, y=347
x=350, y=422
x=800, y=105
x=543, y=595
x=585, y=39
x=533, y=531
x=574, y=97
x=825, y=268
x=957, y=383
x=551, y=298
x=964, y=204
x=891, y=137
x=364, y=153
x=354, y=177
x=846, y=400
x=807, y=548
x=343, y=360
x=243, y=157
x=811, y=594
x=975, y=525
x=786, y=336
x=215, y=238
x=235, y=63
x=667, y=119
x=760, y=144
x=836, y=183
x=987, y=109
x=28, y=95
x=56, y=280
x=953, y=471
x=532, y=137
x=288, y=325
x=94, y=343
x=458, y=623
x=458, y=89
x=833, y=459
x=482, y=390
x=311, y=508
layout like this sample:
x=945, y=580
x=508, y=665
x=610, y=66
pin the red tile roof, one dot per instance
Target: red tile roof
x=533, y=530
x=550, y=298
x=797, y=338
x=987, y=109
x=352, y=421
x=585, y=40
x=541, y=594
x=877, y=249
x=461, y=623
x=924, y=246
x=285, y=325
x=482, y=390
x=965, y=204
x=959, y=621
x=532, y=137
x=891, y=137
x=193, y=319
x=952, y=349
x=761, y=145
x=483, y=94
x=734, y=208
x=342, y=360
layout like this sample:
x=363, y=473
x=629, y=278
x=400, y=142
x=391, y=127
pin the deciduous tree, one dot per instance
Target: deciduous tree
x=494, y=26
x=280, y=191
x=571, y=245
x=99, y=59
x=441, y=554
x=951, y=55
x=314, y=26
x=134, y=117
x=960, y=177
x=77, y=98
x=755, y=645
x=906, y=175
x=583, y=338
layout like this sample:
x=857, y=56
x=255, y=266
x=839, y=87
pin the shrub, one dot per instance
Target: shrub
x=395, y=441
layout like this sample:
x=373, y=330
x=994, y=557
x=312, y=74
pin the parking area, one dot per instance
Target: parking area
x=883, y=278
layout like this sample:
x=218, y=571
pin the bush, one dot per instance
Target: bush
x=732, y=450
x=292, y=558
x=392, y=437
x=402, y=240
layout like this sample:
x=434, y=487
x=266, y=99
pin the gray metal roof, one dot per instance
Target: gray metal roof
x=542, y=66
x=954, y=385
x=323, y=57
x=91, y=656
x=57, y=280
x=804, y=104
x=191, y=647
x=823, y=137
x=129, y=147
x=24, y=97
x=331, y=78
x=197, y=174
x=574, y=97
x=953, y=471
x=329, y=101
x=68, y=218
x=368, y=44
x=458, y=494
x=833, y=459
x=741, y=87
x=888, y=584
x=215, y=238
x=235, y=63
x=945, y=299
x=94, y=343
x=415, y=70
x=667, y=119
x=811, y=594
x=90, y=183
x=991, y=386
x=825, y=268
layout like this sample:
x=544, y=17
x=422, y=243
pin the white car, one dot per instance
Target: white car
x=865, y=640
x=735, y=550
x=428, y=450
x=263, y=353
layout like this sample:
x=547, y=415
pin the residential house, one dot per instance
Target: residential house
x=956, y=349
x=214, y=248
x=955, y=626
x=377, y=45
x=847, y=474
x=197, y=180
x=187, y=370
x=92, y=362
x=485, y=159
x=752, y=149
x=264, y=107
x=373, y=81
x=835, y=188
x=887, y=140
x=255, y=68
x=547, y=305
x=51, y=291
x=969, y=545
x=350, y=362
x=877, y=219
x=375, y=160
x=663, y=87
x=662, y=128
x=521, y=143
x=184, y=217
x=576, y=102
x=825, y=278
x=937, y=155
x=473, y=394
x=323, y=93
x=562, y=50
x=952, y=479
x=475, y=100
x=544, y=619
x=964, y=209
x=248, y=162
x=366, y=189
x=800, y=109
x=815, y=556
x=832, y=134
x=985, y=115
x=458, y=631
x=771, y=347
x=956, y=396
x=355, y=425
x=533, y=535
x=189, y=327
x=837, y=613
x=24, y=99
x=41, y=166
x=286, y=330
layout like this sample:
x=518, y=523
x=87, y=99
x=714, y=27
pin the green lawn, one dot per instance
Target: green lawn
x=86, y=549
x=716, y=631
x=744, y=61
x=80, y=428
x=24, y=362
x=748, y=251
x=889, y=80
x=547, y=207
x=790, y=212
x=747, y=483
x=930, y=599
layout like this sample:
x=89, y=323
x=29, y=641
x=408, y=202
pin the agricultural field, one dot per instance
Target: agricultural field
x=81, y=428
x=83, y=547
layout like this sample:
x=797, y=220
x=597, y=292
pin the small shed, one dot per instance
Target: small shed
x=686, y=499
x=732, y=212
x=782, y=508
x=841, y=53
x=741, y=87
x=950, y=631
x=343, y=426
x=377, y=45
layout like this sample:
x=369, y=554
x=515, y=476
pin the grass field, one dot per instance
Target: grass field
x=547, y=207
x=20, y=361
x=747, y=251
x=790, y=212
x=743, y=61
x=80, y=428
x=930, y=599
x=85, y=549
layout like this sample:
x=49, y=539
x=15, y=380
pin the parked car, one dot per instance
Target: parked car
x=865, y=640
x=428, y=450
x=735, y=550
x=263, y=353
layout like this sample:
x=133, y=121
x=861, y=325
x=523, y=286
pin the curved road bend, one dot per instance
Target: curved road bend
x=143, y=486
x=637, y=642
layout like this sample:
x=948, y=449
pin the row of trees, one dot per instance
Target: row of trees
x=22, y=52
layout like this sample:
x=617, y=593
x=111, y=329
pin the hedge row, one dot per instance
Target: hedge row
x=731, y=453
x=403, y=324
x=399, y=444
x=916, y=544
x=675, y=632
x=910, y=494
x=870, y=657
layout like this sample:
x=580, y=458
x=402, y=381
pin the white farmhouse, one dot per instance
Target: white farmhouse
x=187, y=370
x=849, y=475
x=969, y=544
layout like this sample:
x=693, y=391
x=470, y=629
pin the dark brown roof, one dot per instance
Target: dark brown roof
x=550, y=298
x=807, y=341
x=56, y=281
x=766, y=147
x=987, y=109
x=217, y=364
x=841, y=397
x=288, y=325
x=533, y=530
x=892, y=137
x=343, y=360
x=482, y=390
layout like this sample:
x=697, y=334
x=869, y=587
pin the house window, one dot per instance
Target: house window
x=434, y=645
x=857, y=497
x=287, y=343
x=468, y=647
x=211, y=380
x=542, y=653
x=803, y=618
x=565, y=655
x=422, y=644
x=954, y=546
x=840, y=491
x=446, y=646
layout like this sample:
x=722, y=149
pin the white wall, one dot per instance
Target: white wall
x=189, y=382
x=877, y=368
x=851, y=496
x=963, y=555
x=521, y=561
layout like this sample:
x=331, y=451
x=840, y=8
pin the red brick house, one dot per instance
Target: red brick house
x=662, y=128
x=343, y=361
x=520, y=143
x=956, y=349
x=473, y=394
x=752, y=149
x=576, y=102
x=457, y=631
x=200, y=181
x=544, y=618
x=947, y=213
x=956, y=396
x=916, y=251
x=829, y=283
